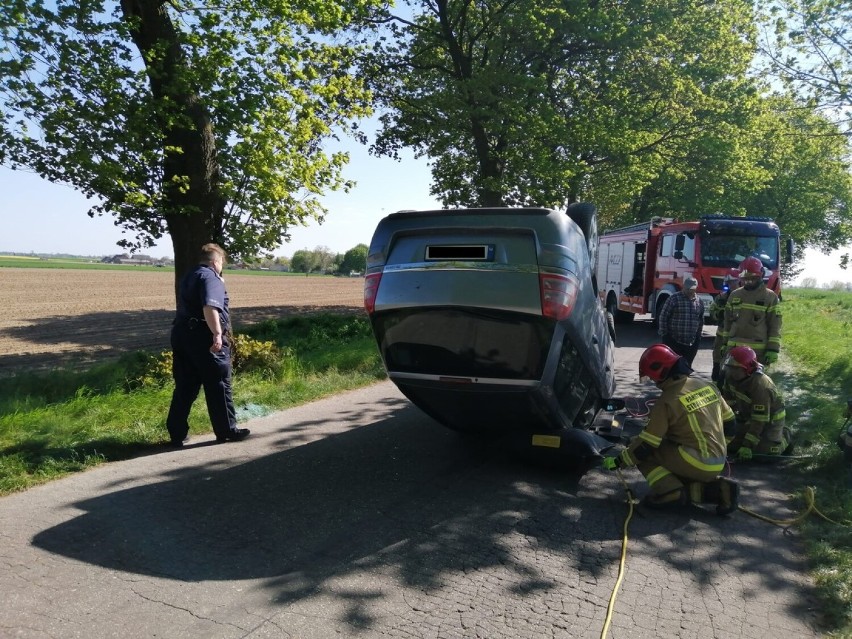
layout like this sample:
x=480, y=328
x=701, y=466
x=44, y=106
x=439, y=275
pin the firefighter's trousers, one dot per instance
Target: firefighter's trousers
x=667, y=468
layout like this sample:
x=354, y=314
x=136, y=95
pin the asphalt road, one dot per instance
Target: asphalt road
x=357, y=516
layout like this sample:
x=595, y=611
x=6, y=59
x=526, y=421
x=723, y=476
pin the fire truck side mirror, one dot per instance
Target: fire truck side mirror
x=790, y=248
x=680, y=242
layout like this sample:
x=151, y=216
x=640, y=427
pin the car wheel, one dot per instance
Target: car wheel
x=585, y=215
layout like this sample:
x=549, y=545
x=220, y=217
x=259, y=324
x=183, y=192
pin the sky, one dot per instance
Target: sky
x=41, y=217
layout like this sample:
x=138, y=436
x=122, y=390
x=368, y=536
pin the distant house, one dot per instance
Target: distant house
x=125, y=258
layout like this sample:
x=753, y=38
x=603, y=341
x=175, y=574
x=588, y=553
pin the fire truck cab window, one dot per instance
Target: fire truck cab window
x=729, y=250
x=667, y=246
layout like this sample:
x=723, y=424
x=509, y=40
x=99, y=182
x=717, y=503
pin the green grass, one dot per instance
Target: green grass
x=56, y=424
x=817, y=378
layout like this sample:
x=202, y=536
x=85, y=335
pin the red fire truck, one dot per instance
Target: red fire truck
x=640, y=266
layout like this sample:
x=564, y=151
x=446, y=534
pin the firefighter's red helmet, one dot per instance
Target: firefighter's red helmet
x=751, y=267
x=743, y=357
x=657, y=362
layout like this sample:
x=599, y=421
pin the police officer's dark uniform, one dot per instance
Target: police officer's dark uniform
x=196, y=362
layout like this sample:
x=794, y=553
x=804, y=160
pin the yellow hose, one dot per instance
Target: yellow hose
x=611, y=606
x=810, y=499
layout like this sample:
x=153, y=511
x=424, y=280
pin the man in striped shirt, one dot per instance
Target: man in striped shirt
x=682, y=320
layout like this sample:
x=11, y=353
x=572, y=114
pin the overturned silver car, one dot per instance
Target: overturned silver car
x=488, y=319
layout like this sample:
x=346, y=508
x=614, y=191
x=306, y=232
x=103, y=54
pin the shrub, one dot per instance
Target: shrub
x=253, y=355
x=155, y=370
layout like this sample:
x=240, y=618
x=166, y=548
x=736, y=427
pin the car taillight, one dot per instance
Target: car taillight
x=371, y=288
x=558, y=295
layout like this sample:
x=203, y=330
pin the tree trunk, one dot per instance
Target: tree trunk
x=195, y=210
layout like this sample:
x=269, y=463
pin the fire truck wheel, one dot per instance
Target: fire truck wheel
x=619, y=317
x=610, y=322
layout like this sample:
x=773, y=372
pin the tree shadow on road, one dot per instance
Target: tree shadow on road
x=399, y=503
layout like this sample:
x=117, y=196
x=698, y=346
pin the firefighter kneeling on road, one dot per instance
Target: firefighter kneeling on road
x=758, y=405
x=681, y=451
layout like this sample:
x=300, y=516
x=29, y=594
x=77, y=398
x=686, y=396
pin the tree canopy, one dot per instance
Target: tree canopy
x=529, y=102
x=808, y=46
x=199, y=119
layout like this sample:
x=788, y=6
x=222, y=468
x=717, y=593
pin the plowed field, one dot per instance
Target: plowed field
x=56, y=317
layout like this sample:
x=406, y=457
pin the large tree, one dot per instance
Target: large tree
x=519, y=102
x=198, y=119
x=807, y=44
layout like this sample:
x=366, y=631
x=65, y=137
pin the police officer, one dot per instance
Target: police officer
x=753, y=315
x=683, y=443
x=758, y=405
x=201, y=351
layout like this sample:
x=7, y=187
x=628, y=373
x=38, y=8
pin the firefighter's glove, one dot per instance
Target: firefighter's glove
x=610, y=463
x=771, y=357
x=715, y=374
x=744, y=453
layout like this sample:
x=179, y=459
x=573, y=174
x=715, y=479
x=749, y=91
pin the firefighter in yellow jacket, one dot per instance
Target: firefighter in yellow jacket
x=683, y=445
x=758, y=405
x=753, y=315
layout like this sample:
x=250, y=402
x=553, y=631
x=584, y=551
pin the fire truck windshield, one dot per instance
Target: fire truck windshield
x=729, y=250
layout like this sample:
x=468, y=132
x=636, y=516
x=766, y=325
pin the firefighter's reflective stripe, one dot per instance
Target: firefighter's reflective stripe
x=699, y=436
x=738, y=395
x=656, y=475
x=701, y=462
x=652, y=439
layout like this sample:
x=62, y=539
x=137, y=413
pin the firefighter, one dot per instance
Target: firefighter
x=753, y=315
x=758, y=405
x=717, y=314
x=681, y=451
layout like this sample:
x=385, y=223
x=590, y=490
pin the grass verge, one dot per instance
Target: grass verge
x=56, y=424
x=817, y=380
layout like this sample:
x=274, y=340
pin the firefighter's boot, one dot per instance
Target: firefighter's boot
x=697, y=492
x=728, y=499
x=676, y=498
x=722, y=492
